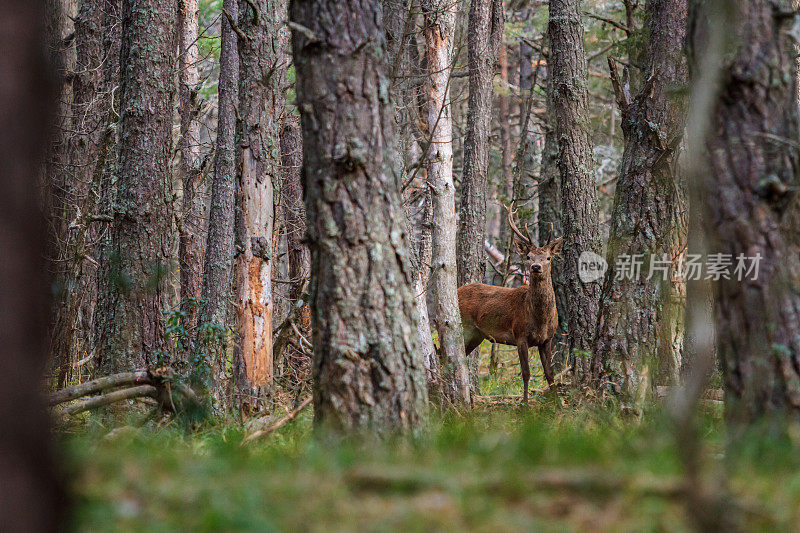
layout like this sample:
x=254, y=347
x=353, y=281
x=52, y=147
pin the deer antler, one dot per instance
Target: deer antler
x=511, y=211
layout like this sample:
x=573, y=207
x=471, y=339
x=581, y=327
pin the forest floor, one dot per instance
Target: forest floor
x=556, y=465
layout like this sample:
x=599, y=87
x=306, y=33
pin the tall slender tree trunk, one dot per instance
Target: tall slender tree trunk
x=578, y=194
x=399, y=21
x=132, y=333
x=31, y=494
x=439, y=21
x=484, y=30
x=549, y=189
x=423, y=261
x=262, y=60
x=753, y=211
x=296, y=364
x=368, y=371
x=639, y=314
x=190, y=253
x=89, y=147
x=218, y=270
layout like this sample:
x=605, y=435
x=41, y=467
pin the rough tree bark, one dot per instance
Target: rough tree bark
x=89, y=147
x=439, y=21
x=137, y=293
x=368, y=372
x=484, y=31
x=753, y=209
x=294, y=213
x=262, y=60
x=399, y=21
x=639, y=314
x=578, y=194
x=218, y=269
x=190, y=252
x=549, y=189
x=31, y=494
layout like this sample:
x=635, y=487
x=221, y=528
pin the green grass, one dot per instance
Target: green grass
x=476, y=471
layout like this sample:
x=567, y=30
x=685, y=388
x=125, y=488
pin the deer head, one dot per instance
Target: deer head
x=538, y=258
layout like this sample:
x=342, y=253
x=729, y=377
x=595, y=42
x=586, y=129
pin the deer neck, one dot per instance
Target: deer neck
x=541, y=297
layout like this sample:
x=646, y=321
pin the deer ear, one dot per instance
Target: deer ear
x=555, y=246
x=522, y=248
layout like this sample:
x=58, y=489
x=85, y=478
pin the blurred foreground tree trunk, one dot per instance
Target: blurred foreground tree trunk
x=438, y=26
x=262, y=64
x=578, y=192
x=31, y=495
x=640, y=314
x=368, y=371
x=132, y=327
x=192, y=234
x=216, y=317
x=753, y=218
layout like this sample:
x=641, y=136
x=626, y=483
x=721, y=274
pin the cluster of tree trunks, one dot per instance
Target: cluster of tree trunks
x=117, y=220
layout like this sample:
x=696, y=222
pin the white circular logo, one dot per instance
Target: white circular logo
x=591, y=267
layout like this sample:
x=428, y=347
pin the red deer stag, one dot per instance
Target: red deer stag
x=521, y=317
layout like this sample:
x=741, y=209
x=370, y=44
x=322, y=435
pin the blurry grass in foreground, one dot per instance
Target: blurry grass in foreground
x=549, y=467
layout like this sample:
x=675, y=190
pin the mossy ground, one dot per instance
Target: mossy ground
x=475, y=471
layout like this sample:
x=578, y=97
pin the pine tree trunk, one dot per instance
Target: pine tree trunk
x=485, y=26
x=294, y=212
x=190, y=253
x=399, y=20
x=549, y=189
x=439, y=20
x=638, y=314
x=139, y=262
x=31, y=492
x=578, y=194
x=218, y=269
x=262, y=59
x=89, y=147
x=368, y=371
x=752, y=208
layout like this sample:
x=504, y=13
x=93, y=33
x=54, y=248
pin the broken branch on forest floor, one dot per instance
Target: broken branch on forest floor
x=278, y=424
x=140, y=377
x=109, y=398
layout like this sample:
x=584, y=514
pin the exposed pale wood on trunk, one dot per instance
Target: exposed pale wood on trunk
x=439, y=20
x=262, y=57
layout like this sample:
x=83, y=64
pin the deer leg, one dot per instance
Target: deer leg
x=545, y=354
x=522, y=349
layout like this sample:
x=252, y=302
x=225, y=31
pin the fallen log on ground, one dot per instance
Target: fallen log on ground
x=109, y=398
x=158, y=384
x=140, y=377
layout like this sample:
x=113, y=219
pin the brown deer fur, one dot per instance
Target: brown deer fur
x=521, y=317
